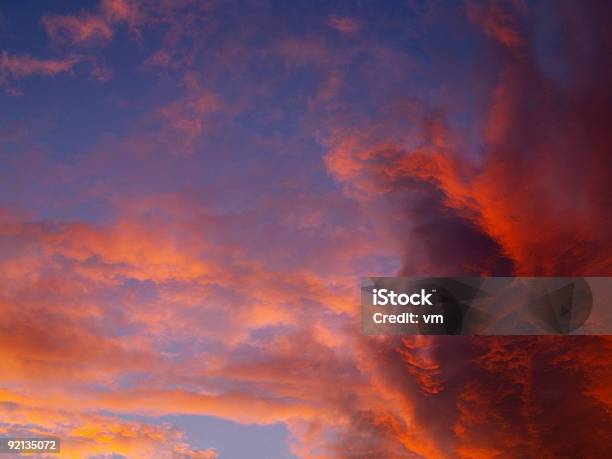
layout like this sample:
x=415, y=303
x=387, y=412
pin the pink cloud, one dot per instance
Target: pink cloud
x=184, y=452
x=14, y=67
x=84, y=29
x=345, y=25
x=91, y=28
x=188, y=118
x=497, y=22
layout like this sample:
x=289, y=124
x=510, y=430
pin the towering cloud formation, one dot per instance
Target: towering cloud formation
x=533, y=200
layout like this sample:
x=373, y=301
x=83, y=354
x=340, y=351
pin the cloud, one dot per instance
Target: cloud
x=345, y=25
x=18, y=67
x=188, y=117
x=15, y=68
x=92, y=28
x=189, y=296
x=497, y=22
x=21, y=66
x=73, y=304
x=384, y=171
x=530, y=201
x=188, y=453
x=83, y=29
x=90, y=435
x=530, y=193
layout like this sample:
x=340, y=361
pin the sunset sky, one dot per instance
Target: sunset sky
x=190, y=191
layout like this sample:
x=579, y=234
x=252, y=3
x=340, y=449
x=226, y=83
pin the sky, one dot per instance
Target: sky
x=191, y=190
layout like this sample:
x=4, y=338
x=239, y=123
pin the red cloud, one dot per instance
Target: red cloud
x=539, y=191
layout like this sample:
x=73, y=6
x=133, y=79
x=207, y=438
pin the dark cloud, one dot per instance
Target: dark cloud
x=533, y=200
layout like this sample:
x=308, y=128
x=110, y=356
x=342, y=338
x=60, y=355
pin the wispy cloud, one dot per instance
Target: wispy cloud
x=92, y=28
x=20, y=66
x=16, y=67
x=345, y=25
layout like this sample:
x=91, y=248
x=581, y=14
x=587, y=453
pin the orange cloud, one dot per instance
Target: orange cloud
x=84, y=434
x=175, y=307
